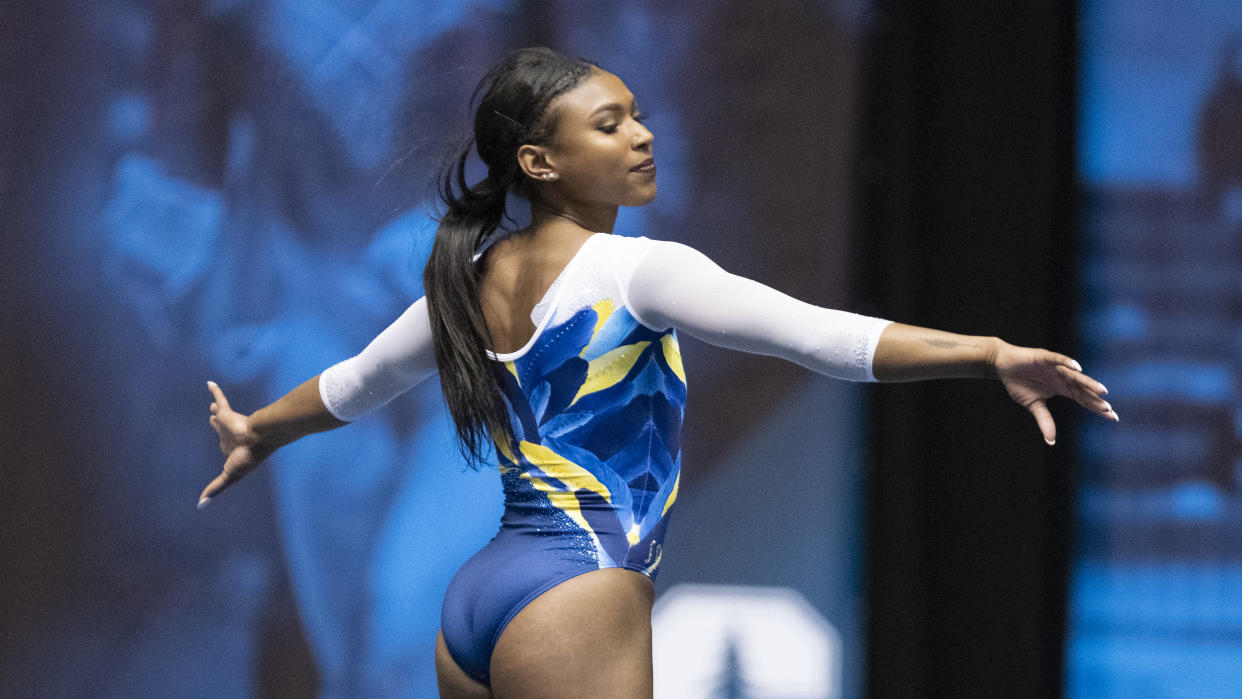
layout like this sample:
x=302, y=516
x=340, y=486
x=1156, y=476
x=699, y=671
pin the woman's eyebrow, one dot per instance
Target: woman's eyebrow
x=612, y=107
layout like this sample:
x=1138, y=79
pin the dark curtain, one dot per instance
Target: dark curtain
x=968, y=224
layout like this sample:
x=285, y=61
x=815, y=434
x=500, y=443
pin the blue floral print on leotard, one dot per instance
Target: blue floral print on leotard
x=596, y=404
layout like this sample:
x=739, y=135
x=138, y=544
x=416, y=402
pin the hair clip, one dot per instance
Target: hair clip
x=509, y=119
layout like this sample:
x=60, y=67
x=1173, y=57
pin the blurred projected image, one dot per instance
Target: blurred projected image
x=1156, y=606
x=243, y=191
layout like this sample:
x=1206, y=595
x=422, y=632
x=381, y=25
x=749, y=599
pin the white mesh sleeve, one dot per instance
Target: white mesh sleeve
x=674, y=285
x=396, y=360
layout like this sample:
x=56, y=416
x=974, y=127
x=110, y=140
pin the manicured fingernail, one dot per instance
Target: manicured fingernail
x=1076, y=364
x=1113, y=414
x=211, y=384
x=1103, y=390
x=1050, y=442
x=203, y=502
x=1108, y=407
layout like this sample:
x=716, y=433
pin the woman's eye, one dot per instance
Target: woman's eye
x=608, y=128
x=640, y=117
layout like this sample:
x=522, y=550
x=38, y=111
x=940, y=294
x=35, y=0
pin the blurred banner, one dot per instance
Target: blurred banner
x=241, y=191
x=1156, y=597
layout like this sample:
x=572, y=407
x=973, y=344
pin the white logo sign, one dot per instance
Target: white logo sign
x=724, y=641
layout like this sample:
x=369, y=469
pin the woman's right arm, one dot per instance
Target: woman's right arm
x=400, y=357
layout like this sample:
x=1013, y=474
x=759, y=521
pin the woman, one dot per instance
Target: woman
x=556, y=346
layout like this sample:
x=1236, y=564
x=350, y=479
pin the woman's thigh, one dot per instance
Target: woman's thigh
x=588, y=636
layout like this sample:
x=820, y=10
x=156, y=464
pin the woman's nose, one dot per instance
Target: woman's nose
x=644, y=137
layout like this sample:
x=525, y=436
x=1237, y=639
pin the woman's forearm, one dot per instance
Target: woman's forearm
x=911, y=353
x=294, y=415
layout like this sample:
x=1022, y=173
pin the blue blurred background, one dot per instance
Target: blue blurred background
x=1156, y=594
x=240, y=190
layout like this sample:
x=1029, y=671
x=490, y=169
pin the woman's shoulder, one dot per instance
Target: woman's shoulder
x=616, y=244
x=625, y=253
x=638, y=243
x=621, y=253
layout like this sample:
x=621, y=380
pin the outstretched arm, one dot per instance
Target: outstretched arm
x=247, y=440
x=396, y=360
x=1031, y=376
x=673, y=285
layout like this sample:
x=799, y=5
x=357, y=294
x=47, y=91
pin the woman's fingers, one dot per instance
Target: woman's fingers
x=221, y=403
x=1034, y=378
x=215, y=486
x=1080, y=388
x=1088, y=393
x=1089, y=385
x=240, y=458
x=226, y=438
x=1043, y=418
x=1065, y=361
x=239, y=463
x=219, y=483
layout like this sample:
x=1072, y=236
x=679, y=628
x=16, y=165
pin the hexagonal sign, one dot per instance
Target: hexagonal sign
x=725, y=641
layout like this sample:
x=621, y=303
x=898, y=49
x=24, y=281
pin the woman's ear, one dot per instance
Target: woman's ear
x=534, y=162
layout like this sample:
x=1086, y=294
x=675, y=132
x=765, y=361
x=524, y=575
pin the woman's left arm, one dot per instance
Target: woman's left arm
x=673, y=285
x=1031, y=376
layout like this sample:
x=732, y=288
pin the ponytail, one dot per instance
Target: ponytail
x=458, y=329
x=512, y=112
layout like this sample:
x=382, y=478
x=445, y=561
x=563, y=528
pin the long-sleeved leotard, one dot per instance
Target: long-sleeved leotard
x=596, y=400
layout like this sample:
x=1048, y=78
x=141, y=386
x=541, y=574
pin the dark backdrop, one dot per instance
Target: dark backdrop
x=968, y=224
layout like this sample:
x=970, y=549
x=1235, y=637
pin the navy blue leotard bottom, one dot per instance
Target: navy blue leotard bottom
x=516, y=566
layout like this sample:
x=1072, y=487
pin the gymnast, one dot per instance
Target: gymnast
x=556, y=349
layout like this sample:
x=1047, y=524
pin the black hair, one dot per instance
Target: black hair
x=513, y=111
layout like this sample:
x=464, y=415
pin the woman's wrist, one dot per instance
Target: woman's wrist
x=992, y=349
x=911, y=353
x=296, y=414
x=264, y=435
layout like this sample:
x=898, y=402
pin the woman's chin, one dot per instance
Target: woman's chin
x=642, y=198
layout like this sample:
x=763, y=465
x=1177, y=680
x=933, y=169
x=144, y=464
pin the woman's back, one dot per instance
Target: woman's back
x=518, y=271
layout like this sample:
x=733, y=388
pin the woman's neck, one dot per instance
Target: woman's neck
x=558, y=215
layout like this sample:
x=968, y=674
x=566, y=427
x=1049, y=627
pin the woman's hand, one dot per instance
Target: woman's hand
x=1032, y=376
x=241, y=448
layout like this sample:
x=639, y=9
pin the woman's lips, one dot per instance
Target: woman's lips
x=646, y=167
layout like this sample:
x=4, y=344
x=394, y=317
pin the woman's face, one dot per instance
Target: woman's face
x=600, y=152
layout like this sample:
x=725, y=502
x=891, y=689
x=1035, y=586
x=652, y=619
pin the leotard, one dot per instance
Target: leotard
x=596, y=400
